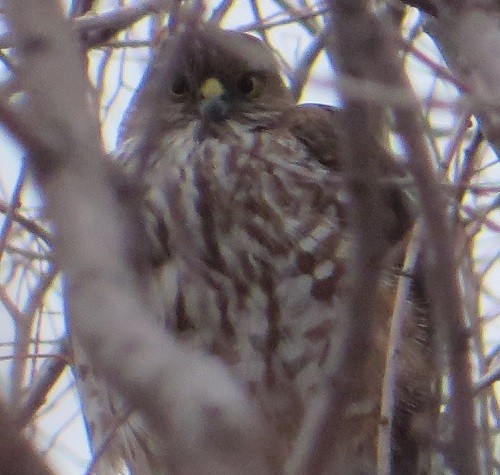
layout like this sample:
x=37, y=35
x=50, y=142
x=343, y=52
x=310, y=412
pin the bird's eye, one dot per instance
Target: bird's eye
x=180, y=86
x=250, y=85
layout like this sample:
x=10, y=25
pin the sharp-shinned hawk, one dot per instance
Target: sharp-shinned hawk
x=245, y=211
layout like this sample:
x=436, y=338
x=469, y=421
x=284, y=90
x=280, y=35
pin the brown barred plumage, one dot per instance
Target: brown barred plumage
x=245, y=211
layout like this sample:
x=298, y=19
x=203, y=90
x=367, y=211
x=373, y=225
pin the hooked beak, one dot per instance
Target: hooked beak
x=213, y=107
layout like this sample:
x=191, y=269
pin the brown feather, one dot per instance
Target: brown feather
x=249, y=245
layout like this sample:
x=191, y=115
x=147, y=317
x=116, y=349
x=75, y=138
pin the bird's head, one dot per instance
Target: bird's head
x=212, y=76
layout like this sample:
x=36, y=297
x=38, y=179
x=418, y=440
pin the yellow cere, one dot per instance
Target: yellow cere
x=212, y=87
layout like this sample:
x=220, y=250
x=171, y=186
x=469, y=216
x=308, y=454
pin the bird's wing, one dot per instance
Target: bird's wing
x=319, y=128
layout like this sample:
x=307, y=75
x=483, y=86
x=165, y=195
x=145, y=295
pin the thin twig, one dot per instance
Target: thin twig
x=14, y=204
x=29, y=224
x=23, y=332
x=95, y=29
x=220, y=11
x=108, y=439
x=444, y=291
x=47, y=376
x=401, y=305
x=267, y=24
x=303, y=69
x=310, y=23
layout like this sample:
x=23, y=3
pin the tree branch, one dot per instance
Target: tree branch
x=203, y=416
x=17, y=456
x=48, y=375
x=466, y=34
x=347, y=436
x=364, y=48
x=443, y=286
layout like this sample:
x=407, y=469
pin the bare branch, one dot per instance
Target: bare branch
x=382, y=63
x=15, y=202
x=17, y=456
x=389, y=388
x=443, y=285
x=351, y=422
x=213, y=426
x=96, y=29
x=48, y=375
x=467, y=33
x=29, y=224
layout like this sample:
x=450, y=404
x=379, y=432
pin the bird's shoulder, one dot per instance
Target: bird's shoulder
x=322, y=130
x=316, y=127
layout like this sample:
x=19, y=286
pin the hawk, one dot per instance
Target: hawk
x=247, y=237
